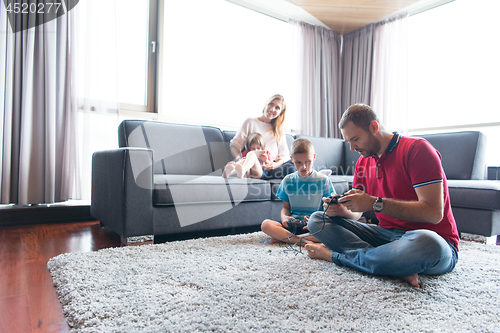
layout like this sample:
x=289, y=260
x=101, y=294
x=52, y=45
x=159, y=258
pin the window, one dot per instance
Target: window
x=136, y=21
x=220, y=63
x=213, y=63
x=453, y=71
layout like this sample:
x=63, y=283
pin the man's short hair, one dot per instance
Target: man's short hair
x=361, y=115
x=301, y=146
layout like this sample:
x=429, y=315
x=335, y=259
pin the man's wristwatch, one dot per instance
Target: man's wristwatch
x=378, y=205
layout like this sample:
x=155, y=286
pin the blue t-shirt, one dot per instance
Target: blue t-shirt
x=304, y=194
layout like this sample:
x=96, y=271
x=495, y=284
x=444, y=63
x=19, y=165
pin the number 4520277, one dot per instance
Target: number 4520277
x=33, y=8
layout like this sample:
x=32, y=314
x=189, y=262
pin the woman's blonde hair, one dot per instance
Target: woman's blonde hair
x=278, y=122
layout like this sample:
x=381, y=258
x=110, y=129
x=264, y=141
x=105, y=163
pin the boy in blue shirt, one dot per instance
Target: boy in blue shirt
x=301, y=193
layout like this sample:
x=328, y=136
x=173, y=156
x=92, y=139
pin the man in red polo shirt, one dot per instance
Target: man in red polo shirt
x=402, y=180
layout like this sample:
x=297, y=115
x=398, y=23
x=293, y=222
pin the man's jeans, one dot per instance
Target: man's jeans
x=376, y=250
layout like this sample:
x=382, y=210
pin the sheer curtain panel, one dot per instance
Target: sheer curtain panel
x=38, y=117
x=390, y=73
x=357, y=59
x=318, y=66
x=96, y=92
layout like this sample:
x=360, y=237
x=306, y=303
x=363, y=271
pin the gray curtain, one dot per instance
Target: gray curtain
x=319, y=79
x=357, y=60
x=389, y=96
x=38, y=117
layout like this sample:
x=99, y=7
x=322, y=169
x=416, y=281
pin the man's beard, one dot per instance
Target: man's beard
x=374, y=147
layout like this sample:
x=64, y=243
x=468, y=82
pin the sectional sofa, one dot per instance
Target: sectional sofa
x=166, y=179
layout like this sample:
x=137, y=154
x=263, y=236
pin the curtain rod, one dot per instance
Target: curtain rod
x=260, y=9
x=415, y=9
x=430, y=5
x=423, y=6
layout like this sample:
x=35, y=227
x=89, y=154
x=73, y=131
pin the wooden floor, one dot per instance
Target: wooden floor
x=28, y=301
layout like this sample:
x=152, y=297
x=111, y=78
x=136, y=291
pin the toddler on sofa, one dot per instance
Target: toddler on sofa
x=252, y=160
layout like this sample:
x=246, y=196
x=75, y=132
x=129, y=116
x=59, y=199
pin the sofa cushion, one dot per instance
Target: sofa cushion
x=463, y=153
x=341, y=183
x=350, y=159
x=189, y=189
x=329, y=153
x=289, y=140
x=177, y=149
x=477, y=194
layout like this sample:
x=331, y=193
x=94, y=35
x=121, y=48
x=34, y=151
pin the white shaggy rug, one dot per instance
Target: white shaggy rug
x=242, y=283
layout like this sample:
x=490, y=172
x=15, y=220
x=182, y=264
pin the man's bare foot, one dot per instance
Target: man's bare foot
x=413, y=280
x=275, y=241
x=228, y=170
x=318, y=251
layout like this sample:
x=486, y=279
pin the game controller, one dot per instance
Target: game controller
x=295, y=222
x=334, y=199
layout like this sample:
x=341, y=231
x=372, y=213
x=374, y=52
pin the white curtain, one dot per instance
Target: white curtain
x=38, y=116
x=390, y=74
x=357, y=59
x=96, y=93
x=318, y=66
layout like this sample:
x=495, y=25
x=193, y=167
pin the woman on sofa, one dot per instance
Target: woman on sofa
x=271, y=126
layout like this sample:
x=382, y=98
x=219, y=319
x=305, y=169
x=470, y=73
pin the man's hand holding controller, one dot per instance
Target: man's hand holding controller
x=347, y=205
x=332, y=206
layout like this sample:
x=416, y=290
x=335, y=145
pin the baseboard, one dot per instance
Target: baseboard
x=14, y=215
x=206, y=233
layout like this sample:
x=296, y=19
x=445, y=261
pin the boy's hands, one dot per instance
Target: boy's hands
x=285, y=221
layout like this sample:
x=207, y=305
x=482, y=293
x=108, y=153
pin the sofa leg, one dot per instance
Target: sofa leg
x=491, y=240
x=138, y=240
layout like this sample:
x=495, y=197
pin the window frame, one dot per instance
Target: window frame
x=151, y=85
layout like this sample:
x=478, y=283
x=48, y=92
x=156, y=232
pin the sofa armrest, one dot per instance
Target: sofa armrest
x=122, y=190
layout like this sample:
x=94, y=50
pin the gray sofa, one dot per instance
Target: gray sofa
x=165, y=179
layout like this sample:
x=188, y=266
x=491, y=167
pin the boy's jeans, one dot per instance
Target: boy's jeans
x=376, y=250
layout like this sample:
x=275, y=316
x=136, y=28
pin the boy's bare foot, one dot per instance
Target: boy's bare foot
x=318, y=251
x=413, y=280
x=228, y=170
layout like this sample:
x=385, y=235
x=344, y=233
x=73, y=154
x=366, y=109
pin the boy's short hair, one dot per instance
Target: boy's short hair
x=255, y=138
x=301, y=146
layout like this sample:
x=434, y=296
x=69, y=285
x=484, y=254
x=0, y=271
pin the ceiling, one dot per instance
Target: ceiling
x=344, y=16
